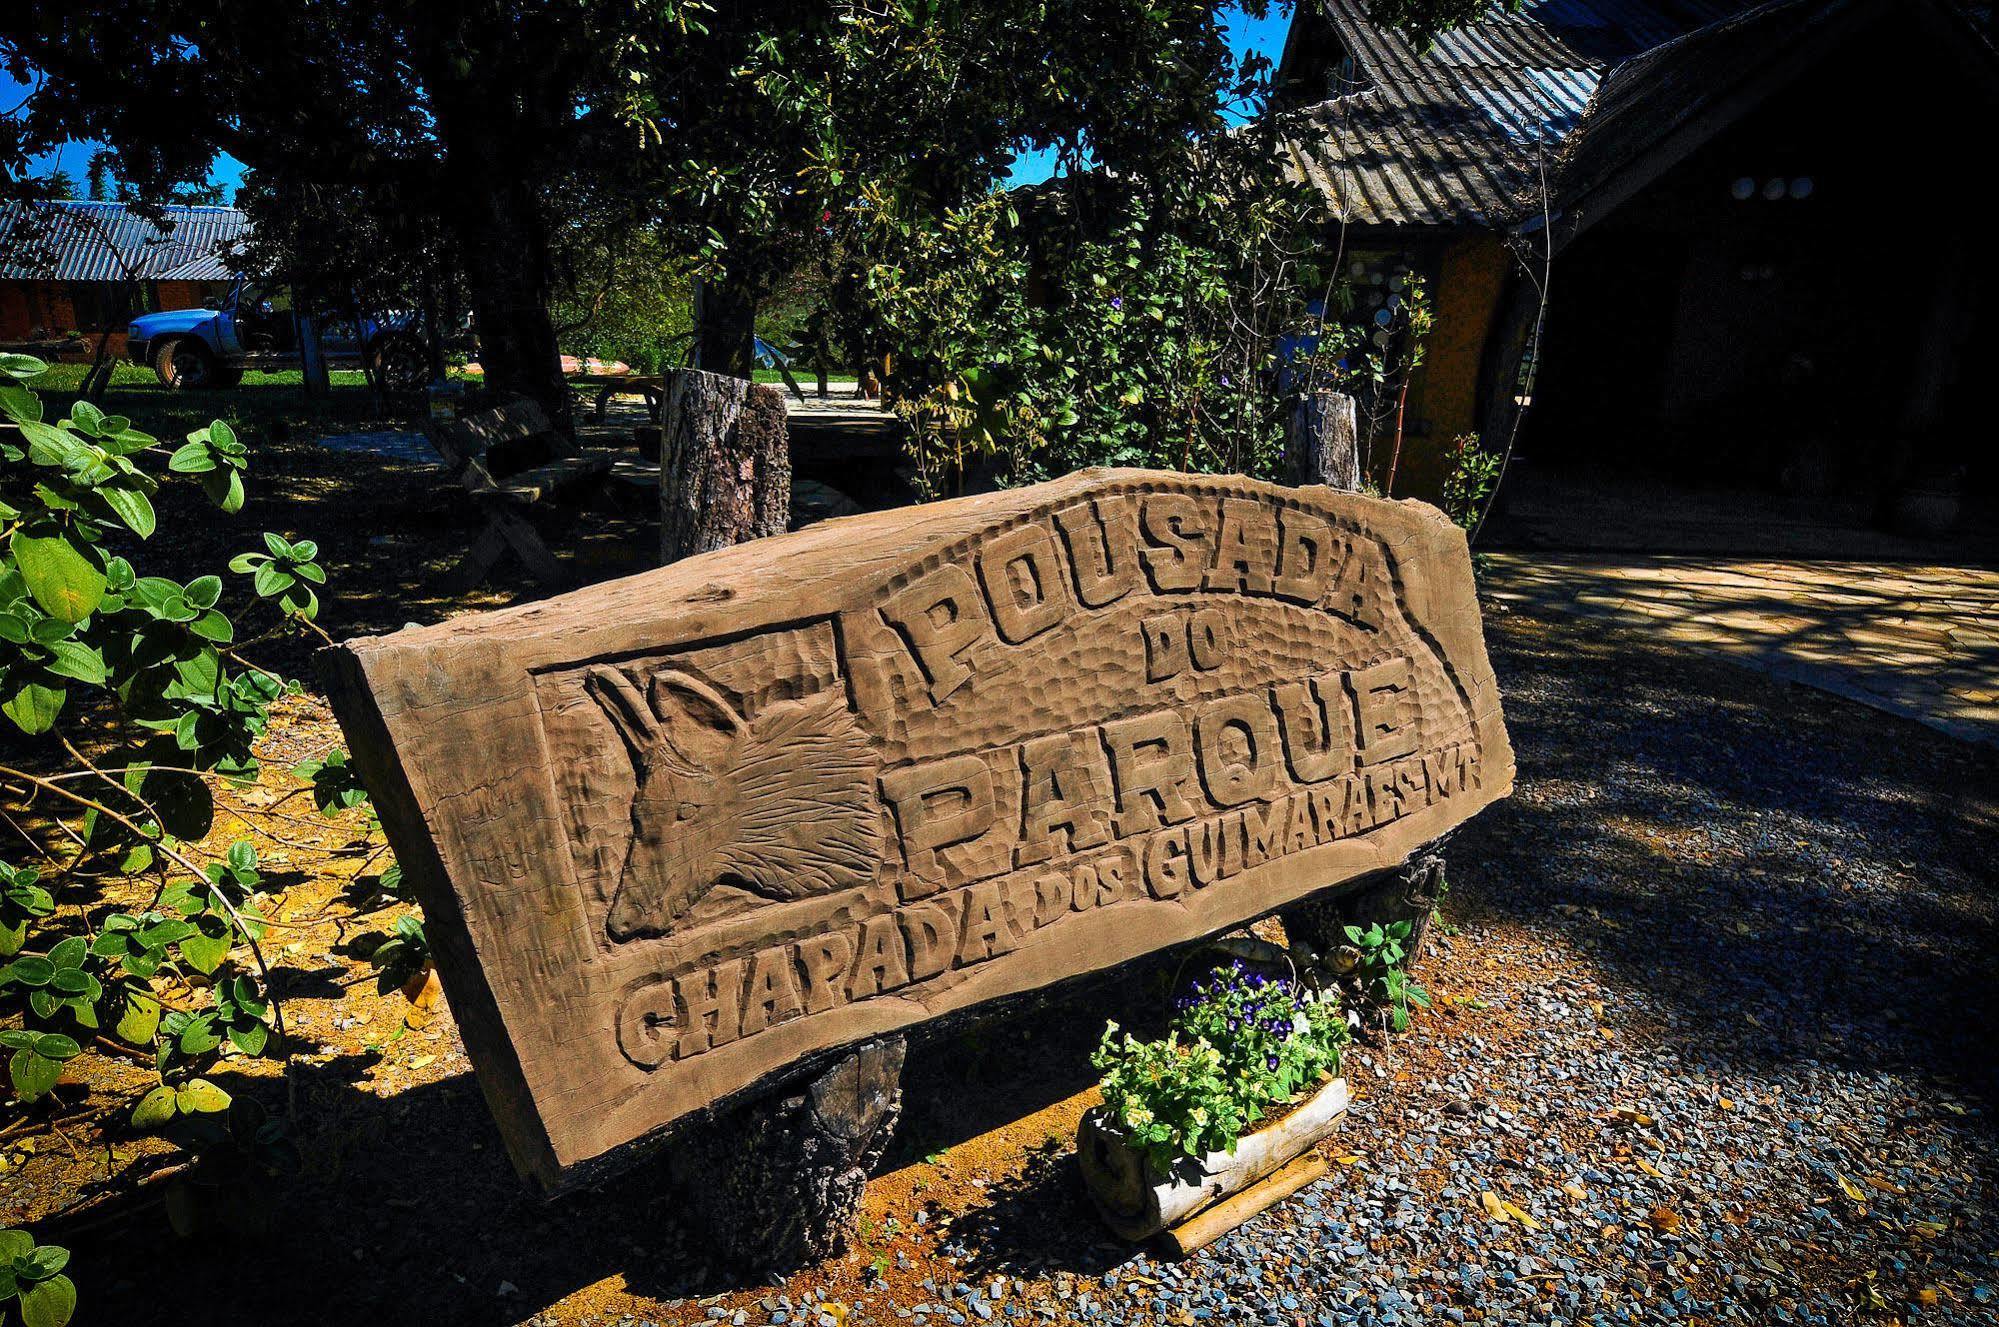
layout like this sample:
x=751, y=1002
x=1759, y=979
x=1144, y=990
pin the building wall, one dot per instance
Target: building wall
x=1471, y=280
x=49, y=309
x=1467, y=281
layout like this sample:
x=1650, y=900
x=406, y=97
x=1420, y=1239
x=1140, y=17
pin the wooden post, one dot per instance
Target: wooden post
x=725, y=464
x=1322, y=442
x=778, y=1182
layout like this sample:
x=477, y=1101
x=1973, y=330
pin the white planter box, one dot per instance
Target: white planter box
x=1138, y=1202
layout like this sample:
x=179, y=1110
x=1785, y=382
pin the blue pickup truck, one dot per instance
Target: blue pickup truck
x=255, y=328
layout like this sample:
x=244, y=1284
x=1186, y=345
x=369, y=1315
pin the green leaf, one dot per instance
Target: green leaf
x=133, y=508
x=140, y=1021
x=65, y=581
x=87, y=417
x=155, y=1109
x=30, y=970
x=204, y=953
x=32, y=1074
x=223, y=438
x=198, y=1096
x=270, y=580
x=34, y=706
x=20, y=405
x=225, y=489
x=48, y=1303
x=191, y=458
x=77, y=661
x=203, y=591
x=55, y=1046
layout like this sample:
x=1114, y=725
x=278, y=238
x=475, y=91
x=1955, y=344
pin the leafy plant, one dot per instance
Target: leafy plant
x=31, y=1276
x=1469, y=481
x=175, y=708
x=1381, y=971
x=1239, y=1043
x=402, y=958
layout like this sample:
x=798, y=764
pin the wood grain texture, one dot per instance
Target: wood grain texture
x=676, y=832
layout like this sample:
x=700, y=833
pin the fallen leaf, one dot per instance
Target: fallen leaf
x=1726, y=1104
x=1663, y=1218
x=1649, y=1168
x=1927, y=1296
x=1520, y=1216
x=1884, y=1185
x=1850, y=1189
x=1635, y=1116
x=1576, y=1191
x=1348, y=1160
x=422, y=1060
x=1493, y=1207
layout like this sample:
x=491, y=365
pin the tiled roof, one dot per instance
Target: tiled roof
x=1460, y=134
x=67, y=241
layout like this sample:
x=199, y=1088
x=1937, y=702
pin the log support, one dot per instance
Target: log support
x=778, y=1182
x=1409, y=892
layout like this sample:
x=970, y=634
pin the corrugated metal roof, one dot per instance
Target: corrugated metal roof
x=1460, y=134
x=67, y=241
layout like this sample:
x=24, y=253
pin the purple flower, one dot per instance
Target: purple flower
x=1117, y=301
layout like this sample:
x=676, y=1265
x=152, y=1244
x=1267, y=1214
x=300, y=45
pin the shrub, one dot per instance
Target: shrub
x=1239, y=1043
x=161, y=678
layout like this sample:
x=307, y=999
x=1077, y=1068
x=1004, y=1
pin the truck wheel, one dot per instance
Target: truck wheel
x=400, y=367
x=185, y=363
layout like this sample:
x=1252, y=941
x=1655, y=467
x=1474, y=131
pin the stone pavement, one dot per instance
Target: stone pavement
x=1918, y=641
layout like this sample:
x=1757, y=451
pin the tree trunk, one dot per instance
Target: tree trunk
x=1322, y=442
x=497, y=217
x=725, y=464
x=312, y=374
x=725, y=319
x=778, y=1183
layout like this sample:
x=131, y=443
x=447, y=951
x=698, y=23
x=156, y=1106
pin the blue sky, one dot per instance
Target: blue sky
x=1265, y=35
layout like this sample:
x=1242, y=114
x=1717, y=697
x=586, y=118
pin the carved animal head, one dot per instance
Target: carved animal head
x=782, y=804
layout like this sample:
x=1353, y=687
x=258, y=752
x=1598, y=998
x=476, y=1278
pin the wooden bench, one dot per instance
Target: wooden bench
x=651, y=387
x=480, y=449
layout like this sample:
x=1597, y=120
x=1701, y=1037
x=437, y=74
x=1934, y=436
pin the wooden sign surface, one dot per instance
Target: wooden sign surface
x=673, y=832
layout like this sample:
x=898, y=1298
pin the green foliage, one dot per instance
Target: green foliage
x=1114, y=320
x=174, y=708
x=1381, y=972
x=1473, y=473
x=1239, y=1043
x=286, y=573
x=336, y=786
x=31, y=1278
x=399, y=959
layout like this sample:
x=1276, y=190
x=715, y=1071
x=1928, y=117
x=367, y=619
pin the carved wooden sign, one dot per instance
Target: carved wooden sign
x=673, y=832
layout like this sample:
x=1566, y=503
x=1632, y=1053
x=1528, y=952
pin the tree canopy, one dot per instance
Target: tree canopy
x=476, y=134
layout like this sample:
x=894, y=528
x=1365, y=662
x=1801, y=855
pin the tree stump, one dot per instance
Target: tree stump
x=778, y=1182
x=1409, y=892
x=725, y=464
x=1322, y=442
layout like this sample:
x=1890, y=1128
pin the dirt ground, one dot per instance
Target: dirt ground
x=406, y=1209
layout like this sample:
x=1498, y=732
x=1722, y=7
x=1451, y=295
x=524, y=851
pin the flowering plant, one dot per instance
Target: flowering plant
x=1239, y=1043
